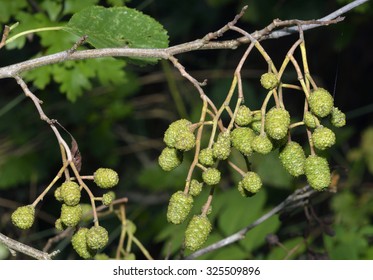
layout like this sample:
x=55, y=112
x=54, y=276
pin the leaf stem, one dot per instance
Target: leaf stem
x=42, y=29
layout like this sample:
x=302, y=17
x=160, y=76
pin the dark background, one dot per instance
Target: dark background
x=120, y=125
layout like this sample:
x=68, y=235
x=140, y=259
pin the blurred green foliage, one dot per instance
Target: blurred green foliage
x=118, y=112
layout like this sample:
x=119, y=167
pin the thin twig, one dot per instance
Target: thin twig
x=5, y=36
x=37, y=102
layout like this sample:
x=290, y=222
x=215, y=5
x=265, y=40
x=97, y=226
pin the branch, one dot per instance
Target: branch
x=20, y=247
x=336, y=14
x=200, y=44
x=37, y=102
x=293, y=200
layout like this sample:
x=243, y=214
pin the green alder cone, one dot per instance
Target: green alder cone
x=256, y=126
x=269, y=81
x=310, y=120
x=222, y=147
x=97, y=237
x=23, y=217
x=338, y=118
x=79, y=243
x=106, y=178
x=243, y=116
x=211, y=176
x=57, y=194
x=71, y=215
x=195, y=187
x=206, y=157
x=131, y=227
x=179, y=207
x=173, y=131
x=317, y=172
x=59, y=225
x=277, y=121
x=179, y=136
x=108, y=198
x=242, y=138
x=261, y=144
x=321, y=102
x=185, y=141
x=70, y=193
x=170, y=158
x=250, y=184
x=293, y=158
x=257, y=116
x=323, y=138
x=197, y=232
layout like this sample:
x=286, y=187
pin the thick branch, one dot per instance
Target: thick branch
x=25, y=249
x=200, y=44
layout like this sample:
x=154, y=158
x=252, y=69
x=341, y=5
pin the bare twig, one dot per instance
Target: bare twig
x=5, y=36
x=25, y=249
x=333, y=15
x=37, y=102
x=298, y=196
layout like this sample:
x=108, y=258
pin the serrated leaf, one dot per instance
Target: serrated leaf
x=108, y=70
x=118, y=27
x=73, y=81
x=40, y=77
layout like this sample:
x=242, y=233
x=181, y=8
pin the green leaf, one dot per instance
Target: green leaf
x=154, y=178
x=40, y=77
x=256, y=237
x=118, y=27
x=109, y=70
x=17, y=170
x=52, y=8
x=10, y=8
x=55, y=41
x=279, y=253
x=27, y=22
x=73, y=6
x=73, y=81
x=239, y=211
x=271, y=171
x=4, y=252
x=117, y=2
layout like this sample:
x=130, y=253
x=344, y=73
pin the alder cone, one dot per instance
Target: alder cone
x=277, y=121
x=317, y=172
x=179, y=207
x=197, y=232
